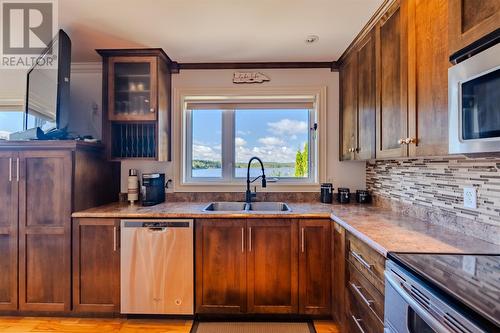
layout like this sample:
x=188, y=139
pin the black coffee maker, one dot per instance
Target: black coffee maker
x=153, y=188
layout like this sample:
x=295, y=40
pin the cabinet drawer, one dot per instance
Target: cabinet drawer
x=367, y=295
x=367, y=261
x=358, y=318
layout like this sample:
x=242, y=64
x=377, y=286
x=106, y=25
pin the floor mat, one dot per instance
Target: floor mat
x=252, y=327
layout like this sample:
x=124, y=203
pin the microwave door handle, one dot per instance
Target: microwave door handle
x=427, y=317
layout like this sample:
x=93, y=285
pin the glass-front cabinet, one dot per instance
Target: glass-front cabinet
x=132, y=87
x=136, y=90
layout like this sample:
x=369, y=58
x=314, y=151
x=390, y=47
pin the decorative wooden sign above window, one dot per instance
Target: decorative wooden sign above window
x=249, y=77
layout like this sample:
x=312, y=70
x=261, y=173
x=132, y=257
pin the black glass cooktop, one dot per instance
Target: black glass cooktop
x=473, y=280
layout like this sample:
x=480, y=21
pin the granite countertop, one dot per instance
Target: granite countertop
x=195, y=210
x=388, y=231
x=384, y=230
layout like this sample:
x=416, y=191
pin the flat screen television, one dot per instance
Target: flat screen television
x=48, y=93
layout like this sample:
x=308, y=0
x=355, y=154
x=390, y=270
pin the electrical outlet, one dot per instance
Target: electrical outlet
x=470, y=197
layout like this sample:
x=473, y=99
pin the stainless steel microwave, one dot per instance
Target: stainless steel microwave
x=474, y=103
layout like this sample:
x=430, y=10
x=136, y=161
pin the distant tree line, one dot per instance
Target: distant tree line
x=207, y=164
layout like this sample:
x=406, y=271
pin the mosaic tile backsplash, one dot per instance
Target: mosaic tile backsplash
x=432, y=189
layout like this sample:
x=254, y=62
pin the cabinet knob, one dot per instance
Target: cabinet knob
x=152, y=110
x=410, y=140
x=401, y=141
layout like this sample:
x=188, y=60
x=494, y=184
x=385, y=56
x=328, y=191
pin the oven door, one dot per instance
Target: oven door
x=404, y=314
x=474, y=103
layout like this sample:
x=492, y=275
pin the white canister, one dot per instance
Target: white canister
x=133, y=186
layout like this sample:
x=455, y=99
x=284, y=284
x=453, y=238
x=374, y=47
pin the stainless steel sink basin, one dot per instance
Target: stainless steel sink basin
x=269, y=207
x=243, y=207
x=225, y=207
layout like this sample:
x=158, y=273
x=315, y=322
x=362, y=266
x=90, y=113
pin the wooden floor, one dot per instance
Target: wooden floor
x=87, y=325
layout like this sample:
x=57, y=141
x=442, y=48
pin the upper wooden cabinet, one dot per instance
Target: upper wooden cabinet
x=137, y=103
x=391, y=58
x=399, y=68
x=357, y=86
x=428, y=78
x=470, y=20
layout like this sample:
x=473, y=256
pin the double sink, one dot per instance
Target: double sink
x=247, y=207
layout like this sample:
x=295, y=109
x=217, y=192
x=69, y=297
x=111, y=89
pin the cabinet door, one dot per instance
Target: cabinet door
x=96, y=265
x=220, y=259
x=365, y=148
x=272, y=266
x=469, y=20
x=8, y=230
x=392, y=113
x=132, y=85
x=314, y=267
x=338, y=266
x=349, y=107
x=44, y=230
x=428, y=77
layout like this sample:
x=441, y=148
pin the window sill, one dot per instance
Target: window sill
x=219, y=187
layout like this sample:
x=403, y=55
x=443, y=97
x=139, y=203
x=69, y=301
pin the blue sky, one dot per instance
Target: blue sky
x=10, y=122
x=273, y=135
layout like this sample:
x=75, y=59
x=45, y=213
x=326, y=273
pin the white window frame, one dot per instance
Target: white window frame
x=181, y=97
x=228, y=152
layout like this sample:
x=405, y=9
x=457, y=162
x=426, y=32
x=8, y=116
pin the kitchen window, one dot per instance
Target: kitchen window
x=11, y=117
x=222, y=135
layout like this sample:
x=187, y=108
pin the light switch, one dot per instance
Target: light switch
x=470, y=197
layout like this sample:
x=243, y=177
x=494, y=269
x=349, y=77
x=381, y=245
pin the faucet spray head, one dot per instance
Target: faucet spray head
x=264, y=181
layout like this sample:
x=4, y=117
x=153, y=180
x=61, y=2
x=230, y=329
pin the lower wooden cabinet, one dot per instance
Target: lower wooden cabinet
x=272, y=266
x=96, y=265
x=314, y=267
x=220, y=259
x=263, y=266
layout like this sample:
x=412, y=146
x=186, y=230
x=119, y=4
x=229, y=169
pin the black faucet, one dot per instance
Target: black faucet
x=249, y=195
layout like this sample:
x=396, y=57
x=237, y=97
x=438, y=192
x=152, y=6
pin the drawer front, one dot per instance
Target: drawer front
x=366, y=294
x=358, y=318
x=370, y=263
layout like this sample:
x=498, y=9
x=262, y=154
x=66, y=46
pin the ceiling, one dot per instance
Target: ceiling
x=216, y=30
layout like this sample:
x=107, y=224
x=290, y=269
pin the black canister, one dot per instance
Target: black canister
x=344, y=195
x=363, y=196
x=326, y=193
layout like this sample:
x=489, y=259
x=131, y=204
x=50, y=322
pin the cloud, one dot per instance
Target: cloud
x=4, y=135
x=266, y=153
x=239, y=142
x=202, y=152
x=271, y=141
x=287, y=127
x=243, y=133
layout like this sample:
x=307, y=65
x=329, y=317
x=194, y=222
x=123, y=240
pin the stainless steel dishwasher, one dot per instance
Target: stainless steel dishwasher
x=157, y=267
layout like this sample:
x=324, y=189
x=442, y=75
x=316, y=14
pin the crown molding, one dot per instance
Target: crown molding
x=86, y=67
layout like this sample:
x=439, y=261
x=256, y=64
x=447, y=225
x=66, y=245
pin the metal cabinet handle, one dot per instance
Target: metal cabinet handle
x=17, y=169
x=242, y=240
x=401, y=141
x=357, y=290
x=360, y=259
x=114, y=238
x=358, y=325
x=10, y=169
x=250, y=239
x=302, y=240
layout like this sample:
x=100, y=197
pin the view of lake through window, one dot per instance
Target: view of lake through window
x=280, y=137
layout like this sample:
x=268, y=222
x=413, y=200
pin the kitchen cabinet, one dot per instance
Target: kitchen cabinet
x=272, y=266
x=358, y=102
x=96, y=265
x=137, y=104
x=314, y=267
x=428, y=78
x=40, y=182
x=391, y=81
x=254, y=266
x=349, y=107
x=8, y=231
x=470, y=20
x=338, y=276
x=220, y=261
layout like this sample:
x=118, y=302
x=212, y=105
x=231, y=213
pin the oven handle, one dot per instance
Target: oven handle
x=427, y=317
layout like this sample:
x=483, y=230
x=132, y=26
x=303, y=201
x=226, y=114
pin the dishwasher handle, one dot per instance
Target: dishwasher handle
x=155, y=225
